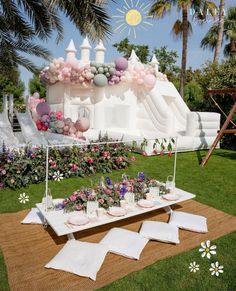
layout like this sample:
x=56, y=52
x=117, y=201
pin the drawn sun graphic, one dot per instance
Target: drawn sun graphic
x=132, y=17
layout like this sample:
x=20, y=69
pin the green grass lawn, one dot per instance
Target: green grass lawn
x=213, y=185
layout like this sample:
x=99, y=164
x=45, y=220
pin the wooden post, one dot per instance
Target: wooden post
x=226, y=123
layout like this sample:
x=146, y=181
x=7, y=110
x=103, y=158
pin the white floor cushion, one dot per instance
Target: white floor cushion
x=124, y=242
x=188, y=221
x=81, y=258
x=160, y=231
x=33, y=217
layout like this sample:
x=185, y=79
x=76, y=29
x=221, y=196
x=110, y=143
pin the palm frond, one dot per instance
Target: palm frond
x=160, y=8
x=177, y=28
x=88, y=16
x=210, y=39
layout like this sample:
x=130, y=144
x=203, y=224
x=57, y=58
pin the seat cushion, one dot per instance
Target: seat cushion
x=160, y=231
x=124, y=242
x=188, y=221
x=33, y=217
x=80, y=258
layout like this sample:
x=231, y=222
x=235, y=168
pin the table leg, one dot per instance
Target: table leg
x=168, y=209
x=70, y=236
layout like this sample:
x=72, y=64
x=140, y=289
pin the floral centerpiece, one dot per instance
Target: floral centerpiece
x=109, y=194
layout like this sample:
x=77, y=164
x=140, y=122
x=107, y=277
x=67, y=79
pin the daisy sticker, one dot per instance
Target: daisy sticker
x=207, y=250
x=57, y=176
x=193, y=267
x=216, y=269
x=23, y=198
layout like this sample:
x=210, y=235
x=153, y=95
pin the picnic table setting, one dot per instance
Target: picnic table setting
x=104, y=204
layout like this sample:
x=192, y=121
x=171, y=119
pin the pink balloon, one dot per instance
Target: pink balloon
x=83, y=124
x=67, y=121
x=72, y=130
x=43, y=109
x=140, y=81
x=60, y=124
x=66, y=128
x=149, y=81
x=121, y=64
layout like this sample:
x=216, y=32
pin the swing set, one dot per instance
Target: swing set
x=228, y=120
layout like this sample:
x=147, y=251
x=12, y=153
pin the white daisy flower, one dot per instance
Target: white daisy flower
x=216, y=269
x=57, y=176
x=23, y=198
x=207, y=250
x=193, y=267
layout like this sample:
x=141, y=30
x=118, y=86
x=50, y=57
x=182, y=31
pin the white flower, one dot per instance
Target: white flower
x=207, y=250
x=57, y=176
x=23, y=198
x=193, y=267
x=216, y=269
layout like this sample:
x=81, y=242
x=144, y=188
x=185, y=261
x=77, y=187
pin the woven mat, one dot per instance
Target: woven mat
x=27, y=248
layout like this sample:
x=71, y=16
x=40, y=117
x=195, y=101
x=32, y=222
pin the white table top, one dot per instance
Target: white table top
x=57, y=218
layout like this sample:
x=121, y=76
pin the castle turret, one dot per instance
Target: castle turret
x=71, y=50
x=100, y=52
x=85, y=51
x=133, y=59
x=155, y=63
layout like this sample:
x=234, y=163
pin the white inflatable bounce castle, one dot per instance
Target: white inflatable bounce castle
x=129, y=101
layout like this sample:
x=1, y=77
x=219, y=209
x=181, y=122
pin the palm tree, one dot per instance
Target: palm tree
x=23, y=22
x=220, y=31
x=182, y=28
x=229, y=34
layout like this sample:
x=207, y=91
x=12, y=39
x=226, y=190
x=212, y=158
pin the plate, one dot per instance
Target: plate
x=117, y=211
x=171, y=197
x=78, y=220
x=145, y=203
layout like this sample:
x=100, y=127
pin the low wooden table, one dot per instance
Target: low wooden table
x=57, y=218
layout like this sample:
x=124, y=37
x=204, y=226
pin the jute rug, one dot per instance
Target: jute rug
x=27, y=248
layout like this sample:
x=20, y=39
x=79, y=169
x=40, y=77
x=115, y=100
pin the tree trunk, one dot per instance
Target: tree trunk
x=184, y=48
x=220, y=31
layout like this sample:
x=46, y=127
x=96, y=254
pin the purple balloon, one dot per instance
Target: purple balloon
x=121, y=64
x=43, y=109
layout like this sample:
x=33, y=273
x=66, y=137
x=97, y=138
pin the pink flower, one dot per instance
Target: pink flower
x=106, y=155
x=155, y=151
x=162, y=153
x=169, y=153
x=73, y=197
x=132, y=158
x=111, y=200
x=107, y=191
x=74, y=168
x=144, y=153
x=101, y=201
x=119, y=159
x=4, y=172
x=90, y=160
x=78, y=206
x=1, y=185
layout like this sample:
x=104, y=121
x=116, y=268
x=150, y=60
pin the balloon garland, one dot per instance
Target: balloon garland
x=101, y=75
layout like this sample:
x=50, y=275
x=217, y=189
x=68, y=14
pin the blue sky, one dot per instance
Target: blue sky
x=155, y=36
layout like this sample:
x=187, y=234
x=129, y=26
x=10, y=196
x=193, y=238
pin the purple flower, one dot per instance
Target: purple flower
x=108, y=180
x=123, y=190
x=141, y=176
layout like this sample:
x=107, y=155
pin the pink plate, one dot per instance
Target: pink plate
x=171, y=197
x=145, y=203
x=78, y=220
x=117, y=211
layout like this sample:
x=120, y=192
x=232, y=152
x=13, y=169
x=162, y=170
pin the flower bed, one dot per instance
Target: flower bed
x=109, y=194
x=21, y=167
